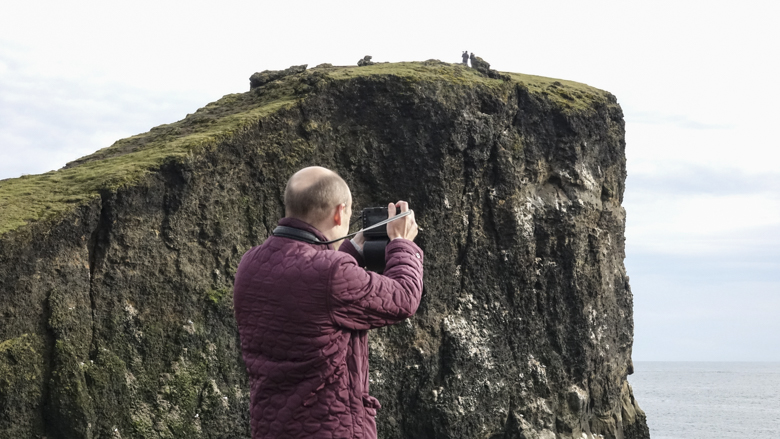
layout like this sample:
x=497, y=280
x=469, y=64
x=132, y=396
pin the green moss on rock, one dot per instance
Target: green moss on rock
x=21, y=385
x=46, y=196
x=218, y=295
x=569, y=96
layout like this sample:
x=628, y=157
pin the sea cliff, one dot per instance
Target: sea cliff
x=116, y=271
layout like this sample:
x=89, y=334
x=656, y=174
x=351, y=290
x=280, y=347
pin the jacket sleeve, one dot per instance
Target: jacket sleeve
x=349, y=248
x=359, y=299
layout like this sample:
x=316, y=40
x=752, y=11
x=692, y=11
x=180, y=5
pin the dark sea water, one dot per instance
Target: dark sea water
x=691, y=400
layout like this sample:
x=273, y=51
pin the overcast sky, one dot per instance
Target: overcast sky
x=698, y=83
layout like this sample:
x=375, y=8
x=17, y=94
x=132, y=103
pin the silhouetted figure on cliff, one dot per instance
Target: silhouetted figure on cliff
x=466, y=58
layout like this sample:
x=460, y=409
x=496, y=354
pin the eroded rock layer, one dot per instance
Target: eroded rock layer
x=117, y=315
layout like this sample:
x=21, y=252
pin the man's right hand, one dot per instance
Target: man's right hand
x=405, y=227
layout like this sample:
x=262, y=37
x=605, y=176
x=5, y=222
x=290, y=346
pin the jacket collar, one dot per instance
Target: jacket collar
x=298, y=224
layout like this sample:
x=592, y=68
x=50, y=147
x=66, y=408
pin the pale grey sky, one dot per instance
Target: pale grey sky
x=697, y=82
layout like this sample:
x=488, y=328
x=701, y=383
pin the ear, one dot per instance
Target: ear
x=338, y=217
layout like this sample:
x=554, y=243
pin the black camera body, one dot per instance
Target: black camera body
x=376, y=239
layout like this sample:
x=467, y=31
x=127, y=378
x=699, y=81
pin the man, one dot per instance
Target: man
x=304, y=311
x=465, y=56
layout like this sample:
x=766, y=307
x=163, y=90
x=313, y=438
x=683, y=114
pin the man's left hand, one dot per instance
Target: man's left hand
x=359, y=239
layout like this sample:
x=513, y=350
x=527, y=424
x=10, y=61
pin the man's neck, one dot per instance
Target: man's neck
x=331, y=234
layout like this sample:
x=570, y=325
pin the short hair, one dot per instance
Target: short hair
x=314, y=201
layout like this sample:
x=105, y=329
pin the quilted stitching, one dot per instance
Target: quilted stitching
x=303, y=314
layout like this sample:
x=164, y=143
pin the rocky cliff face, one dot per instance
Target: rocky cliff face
x=116, y=272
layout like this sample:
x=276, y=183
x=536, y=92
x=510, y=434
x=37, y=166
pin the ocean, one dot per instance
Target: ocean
x=692, y=400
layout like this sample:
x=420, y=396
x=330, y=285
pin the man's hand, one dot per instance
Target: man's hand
x=359, y=239
x=405, y=227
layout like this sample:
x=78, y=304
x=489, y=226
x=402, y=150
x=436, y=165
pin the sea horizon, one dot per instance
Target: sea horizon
x=708, y=399
x=706, y=361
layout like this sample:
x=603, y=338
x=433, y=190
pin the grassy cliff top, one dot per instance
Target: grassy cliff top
x=46, y=196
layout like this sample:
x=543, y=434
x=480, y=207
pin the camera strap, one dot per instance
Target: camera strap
x=311, y=238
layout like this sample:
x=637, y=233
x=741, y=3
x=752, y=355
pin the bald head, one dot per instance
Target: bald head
x=313, y=192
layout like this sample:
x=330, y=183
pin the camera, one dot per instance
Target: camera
x=376, y=239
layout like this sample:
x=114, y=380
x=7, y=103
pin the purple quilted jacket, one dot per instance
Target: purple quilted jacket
x=303, y=314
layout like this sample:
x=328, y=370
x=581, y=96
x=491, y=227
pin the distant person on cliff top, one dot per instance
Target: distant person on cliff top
x=466, y=58
x=304, y=310
x=473, y=58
